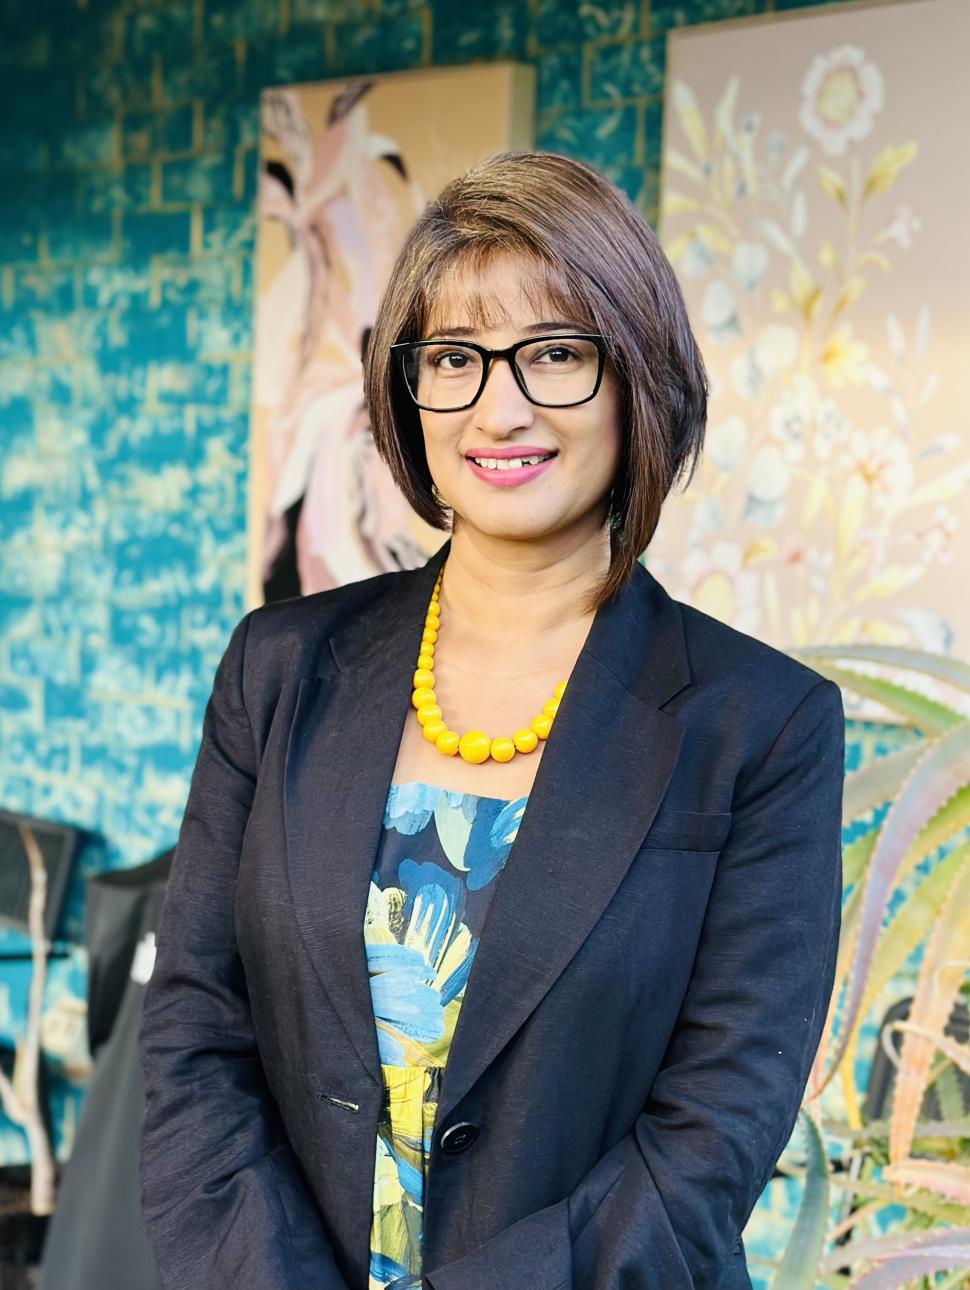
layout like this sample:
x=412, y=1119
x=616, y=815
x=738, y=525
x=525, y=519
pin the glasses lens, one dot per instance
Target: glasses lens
x=442, y=377
x=559, y=372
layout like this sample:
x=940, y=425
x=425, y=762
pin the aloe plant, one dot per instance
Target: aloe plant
x=923, y=1167
x=804, y=1250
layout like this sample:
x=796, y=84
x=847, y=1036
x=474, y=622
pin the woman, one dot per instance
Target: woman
x=644, y=802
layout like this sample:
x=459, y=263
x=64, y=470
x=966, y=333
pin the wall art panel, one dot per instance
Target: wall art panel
x=345, y=168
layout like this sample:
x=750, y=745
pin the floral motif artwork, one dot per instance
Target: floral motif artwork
x=812, y=207
x=345, y=169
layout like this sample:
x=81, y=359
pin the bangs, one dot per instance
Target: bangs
x=452, y=291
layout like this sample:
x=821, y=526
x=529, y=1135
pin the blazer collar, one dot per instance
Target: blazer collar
x=602, y=777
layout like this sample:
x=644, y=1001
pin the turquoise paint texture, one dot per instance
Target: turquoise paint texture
x=126, y=240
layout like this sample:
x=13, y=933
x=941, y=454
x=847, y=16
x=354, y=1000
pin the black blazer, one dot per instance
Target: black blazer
x=646, y=999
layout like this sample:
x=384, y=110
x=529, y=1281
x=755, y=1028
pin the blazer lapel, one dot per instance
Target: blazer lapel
x=602, y=777
x=599, y=784
x=340, y=757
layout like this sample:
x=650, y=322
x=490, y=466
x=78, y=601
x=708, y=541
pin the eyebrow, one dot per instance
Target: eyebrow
x=533, y=327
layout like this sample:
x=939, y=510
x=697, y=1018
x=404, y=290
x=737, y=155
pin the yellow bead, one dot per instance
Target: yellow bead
x=423, y=676
x=426, y=659
x=550, y=708
x=430, y=635
x=525, y=740
x=433, y=729
x=429, y=712
x=423, y=695
x=432, y=620
x=447, y=743
x=558, y=691
x=541, y=725
x=474, y=746
x=502, y=749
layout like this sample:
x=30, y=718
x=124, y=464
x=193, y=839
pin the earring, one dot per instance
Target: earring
x=437, y=496
x=616, y=519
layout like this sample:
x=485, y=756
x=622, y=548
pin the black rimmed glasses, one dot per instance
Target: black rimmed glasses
x=551, y=371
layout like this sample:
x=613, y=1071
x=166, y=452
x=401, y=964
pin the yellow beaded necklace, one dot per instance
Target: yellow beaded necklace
x=474, y=745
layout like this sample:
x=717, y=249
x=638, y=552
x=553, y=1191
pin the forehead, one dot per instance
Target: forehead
x=502, y=289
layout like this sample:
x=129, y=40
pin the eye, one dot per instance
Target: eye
x=558, y=354
x=449, y=360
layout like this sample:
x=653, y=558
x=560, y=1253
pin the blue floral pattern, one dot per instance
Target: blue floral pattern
x=439, y=855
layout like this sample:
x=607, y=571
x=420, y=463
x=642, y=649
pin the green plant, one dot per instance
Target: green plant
x=902, y=1161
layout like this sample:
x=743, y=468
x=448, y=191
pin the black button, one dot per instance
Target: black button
x=459, y=1137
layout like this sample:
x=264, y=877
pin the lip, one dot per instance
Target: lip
x=509, y=478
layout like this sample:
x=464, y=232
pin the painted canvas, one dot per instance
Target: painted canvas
x=346, y=168
x=815, y=208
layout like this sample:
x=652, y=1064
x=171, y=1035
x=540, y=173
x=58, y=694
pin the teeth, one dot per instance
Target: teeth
x=509, y=463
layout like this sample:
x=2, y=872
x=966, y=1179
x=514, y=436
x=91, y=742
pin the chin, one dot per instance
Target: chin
x=529, y=529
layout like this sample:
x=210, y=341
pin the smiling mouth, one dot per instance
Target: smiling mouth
x=511, y=463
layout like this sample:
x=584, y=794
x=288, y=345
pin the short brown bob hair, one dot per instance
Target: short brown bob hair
x=599, y=261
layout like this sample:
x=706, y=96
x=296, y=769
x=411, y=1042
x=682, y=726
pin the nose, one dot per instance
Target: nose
x=501, y=404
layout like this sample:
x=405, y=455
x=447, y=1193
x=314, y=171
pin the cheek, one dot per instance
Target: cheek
x=604, y=440
x=439, y=440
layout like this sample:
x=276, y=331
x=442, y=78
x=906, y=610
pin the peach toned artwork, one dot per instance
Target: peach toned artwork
x=815, y=206
x=345, y=169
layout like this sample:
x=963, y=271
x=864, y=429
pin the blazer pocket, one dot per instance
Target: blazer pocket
x=674, y=830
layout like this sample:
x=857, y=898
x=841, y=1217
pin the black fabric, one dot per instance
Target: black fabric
x=96, y=1238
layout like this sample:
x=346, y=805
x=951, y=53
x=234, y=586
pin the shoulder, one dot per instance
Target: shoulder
x=289, y=637
x=720, y=653
x=744, y=692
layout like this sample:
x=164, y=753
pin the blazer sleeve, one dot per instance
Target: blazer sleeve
x=664, y=1208
x=224, y=1200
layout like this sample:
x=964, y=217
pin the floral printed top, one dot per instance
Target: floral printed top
x=438, y=859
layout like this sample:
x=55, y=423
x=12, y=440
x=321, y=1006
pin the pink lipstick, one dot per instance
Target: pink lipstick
x=509, y=476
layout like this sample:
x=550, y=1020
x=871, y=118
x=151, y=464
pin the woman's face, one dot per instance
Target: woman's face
x=570, y=493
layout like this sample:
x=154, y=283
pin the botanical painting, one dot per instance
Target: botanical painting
x=813, y=208
x=346, y=168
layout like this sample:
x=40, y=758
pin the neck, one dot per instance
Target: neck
x=502, y=598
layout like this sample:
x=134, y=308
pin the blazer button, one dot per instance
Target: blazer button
x=459, y=1137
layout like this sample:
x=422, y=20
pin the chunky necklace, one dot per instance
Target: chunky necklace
x=474, y=745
